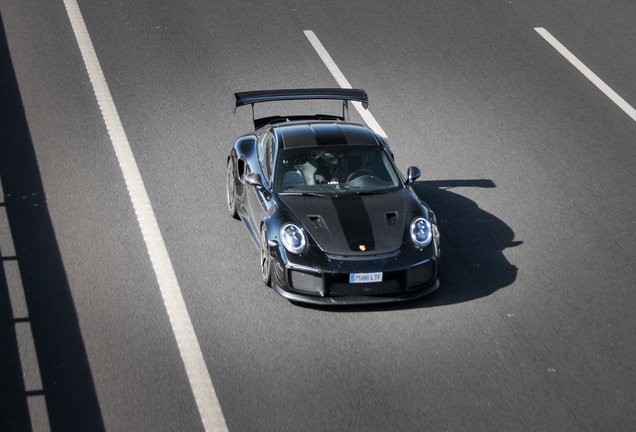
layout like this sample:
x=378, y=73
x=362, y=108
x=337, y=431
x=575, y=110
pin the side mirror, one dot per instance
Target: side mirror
x=255, y=180
x=412, y=174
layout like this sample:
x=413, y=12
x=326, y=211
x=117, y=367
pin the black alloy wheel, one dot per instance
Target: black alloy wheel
x=231, y=190
x=266, y=259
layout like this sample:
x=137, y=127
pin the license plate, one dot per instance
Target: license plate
x=365, y=277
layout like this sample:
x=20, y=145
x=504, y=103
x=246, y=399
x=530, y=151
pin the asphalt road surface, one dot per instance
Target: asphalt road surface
x=529, y=166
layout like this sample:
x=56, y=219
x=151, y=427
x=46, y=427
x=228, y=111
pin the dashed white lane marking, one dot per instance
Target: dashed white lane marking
x=587, y=72
x=342, y=81
x=198, y=375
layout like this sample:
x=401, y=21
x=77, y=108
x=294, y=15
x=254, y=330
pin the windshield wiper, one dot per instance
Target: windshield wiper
x=362, y=192
x=316, y=194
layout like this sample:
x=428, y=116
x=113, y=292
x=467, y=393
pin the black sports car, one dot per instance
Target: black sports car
x=335, y=221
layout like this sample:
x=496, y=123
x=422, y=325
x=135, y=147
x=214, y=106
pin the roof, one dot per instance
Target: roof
x=309, y=134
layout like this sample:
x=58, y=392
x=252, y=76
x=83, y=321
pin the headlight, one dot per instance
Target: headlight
x=421, y=232
x=293, y=238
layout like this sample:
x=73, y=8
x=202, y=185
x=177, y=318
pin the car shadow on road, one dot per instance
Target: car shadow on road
x=472, y=263
x=472, y=243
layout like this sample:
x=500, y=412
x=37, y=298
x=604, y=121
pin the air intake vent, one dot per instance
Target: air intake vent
x=390, y=218
x=316, y=221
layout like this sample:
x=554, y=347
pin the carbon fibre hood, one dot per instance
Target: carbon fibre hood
x=354, y=225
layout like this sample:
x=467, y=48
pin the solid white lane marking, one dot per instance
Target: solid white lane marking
x=342, y=81
x=622, y=104
x=198, y=375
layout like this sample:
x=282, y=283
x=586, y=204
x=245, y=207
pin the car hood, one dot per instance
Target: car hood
x=353, y=225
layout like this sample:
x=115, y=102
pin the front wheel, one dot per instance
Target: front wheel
x=266, y=259
x=231, y=190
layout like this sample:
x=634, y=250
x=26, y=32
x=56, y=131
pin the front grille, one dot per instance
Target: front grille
x=420, y=274
x=363, y=289
x=309, y=282
x=364, y=257
x=394, y=282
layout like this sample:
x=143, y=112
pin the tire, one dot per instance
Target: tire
x=231, y=189
x=266, y=259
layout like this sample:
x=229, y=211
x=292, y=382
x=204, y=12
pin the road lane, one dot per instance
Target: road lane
x=189, y=348
x=487, y=117
x=100, y=328
x=366, y=115
x=528, y=167
x=614, y=97
x=602, y=36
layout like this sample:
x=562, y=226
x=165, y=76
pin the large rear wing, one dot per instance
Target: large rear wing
x=258, y=96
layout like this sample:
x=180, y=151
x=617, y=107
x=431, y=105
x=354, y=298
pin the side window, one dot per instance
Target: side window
x=266, y=156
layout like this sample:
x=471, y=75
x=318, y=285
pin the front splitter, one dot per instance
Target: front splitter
x=355, y=300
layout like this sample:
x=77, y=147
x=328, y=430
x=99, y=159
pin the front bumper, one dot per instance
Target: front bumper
x=323, y=279
x=356, y=300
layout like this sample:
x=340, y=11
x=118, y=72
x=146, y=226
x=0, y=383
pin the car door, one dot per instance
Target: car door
x=259, y=201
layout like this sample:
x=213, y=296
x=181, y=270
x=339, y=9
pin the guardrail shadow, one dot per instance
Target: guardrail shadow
x=67, y=384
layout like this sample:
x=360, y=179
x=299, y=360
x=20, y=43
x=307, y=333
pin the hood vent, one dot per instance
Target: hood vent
x=316, y=221
x=390, y=218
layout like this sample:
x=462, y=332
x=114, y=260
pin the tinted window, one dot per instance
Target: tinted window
x=335, y=170
x=266, y=156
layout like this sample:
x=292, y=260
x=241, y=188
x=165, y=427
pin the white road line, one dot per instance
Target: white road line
x=588, y=73
x=342, y=81
x=200, y=382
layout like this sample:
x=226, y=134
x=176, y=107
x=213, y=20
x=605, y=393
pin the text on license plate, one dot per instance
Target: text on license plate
x=365, y=277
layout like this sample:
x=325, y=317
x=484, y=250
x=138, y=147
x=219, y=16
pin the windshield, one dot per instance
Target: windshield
x=335, y=171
